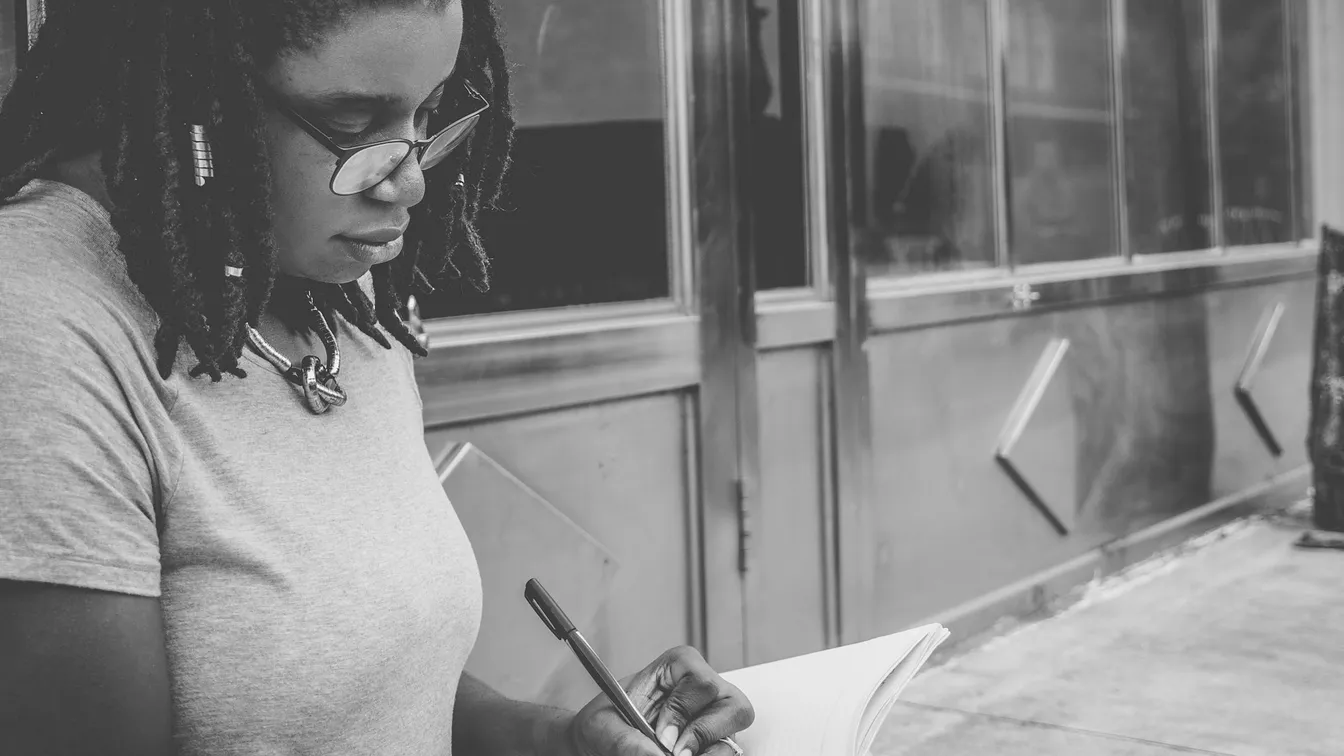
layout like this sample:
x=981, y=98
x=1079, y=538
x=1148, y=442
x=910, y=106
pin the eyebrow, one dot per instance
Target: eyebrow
x=351, y=100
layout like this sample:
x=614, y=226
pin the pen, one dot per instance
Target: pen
x=559, y=624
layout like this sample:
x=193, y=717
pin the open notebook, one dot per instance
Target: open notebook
x=832, y=702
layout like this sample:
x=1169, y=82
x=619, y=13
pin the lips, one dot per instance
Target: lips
x=377, y=235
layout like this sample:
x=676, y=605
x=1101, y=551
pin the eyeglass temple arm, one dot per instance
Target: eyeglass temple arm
x=315, y=132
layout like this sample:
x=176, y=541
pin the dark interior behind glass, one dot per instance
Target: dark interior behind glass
x=584, y=220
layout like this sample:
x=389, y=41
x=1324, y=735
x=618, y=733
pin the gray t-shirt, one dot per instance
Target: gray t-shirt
x=318, y=591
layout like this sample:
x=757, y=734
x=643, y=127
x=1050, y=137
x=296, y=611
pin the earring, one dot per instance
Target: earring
x=203, y=160
x=461, y=181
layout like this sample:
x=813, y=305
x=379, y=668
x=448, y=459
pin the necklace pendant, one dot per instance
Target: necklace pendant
x=320, y=388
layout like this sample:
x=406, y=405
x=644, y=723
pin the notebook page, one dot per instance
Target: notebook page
x=816, y=703
x=880, y=703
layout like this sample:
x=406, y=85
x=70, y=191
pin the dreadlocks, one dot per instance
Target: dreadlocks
x=126, y=77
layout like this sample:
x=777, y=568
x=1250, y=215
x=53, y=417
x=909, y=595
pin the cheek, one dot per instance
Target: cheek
x=302, y=204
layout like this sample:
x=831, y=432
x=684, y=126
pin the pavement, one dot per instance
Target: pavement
x=1233, y=646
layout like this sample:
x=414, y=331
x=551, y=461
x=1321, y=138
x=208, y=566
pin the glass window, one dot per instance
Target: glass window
x=1168, y=186
x=585, y=214
x=779, y=210
x=1060, y=131
x=930, y=143
x=10, y=36
x=1253, y=122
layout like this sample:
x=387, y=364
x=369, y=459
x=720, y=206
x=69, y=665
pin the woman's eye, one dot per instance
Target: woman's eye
x=345, y=132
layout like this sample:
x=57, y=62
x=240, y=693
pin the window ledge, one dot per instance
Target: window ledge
x=923, y=302
x=527, y=325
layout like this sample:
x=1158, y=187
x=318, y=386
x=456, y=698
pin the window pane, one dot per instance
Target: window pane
x=9, y=42
x=586, y=204
x=779, y=227
x=927, y=84
x=1253, y=106
x=1167, y=171
x=1060, y=131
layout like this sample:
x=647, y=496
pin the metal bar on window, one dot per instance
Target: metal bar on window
x=850, y=372
x=1212, y=64
x=1290, y=114
x=676, y=24
x=1119, y=52
x=815, y=32
x=998, y=99
x=1304, y=16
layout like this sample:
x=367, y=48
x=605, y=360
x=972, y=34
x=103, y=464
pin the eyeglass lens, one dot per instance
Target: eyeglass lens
x=372, y=164
x=369, y=166
x=448, y=140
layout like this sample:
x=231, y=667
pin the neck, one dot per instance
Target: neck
x=84, y=173
x=286, y=324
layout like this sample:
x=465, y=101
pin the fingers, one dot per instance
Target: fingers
x=700, y=708
x=720, y=748
x=723, y=718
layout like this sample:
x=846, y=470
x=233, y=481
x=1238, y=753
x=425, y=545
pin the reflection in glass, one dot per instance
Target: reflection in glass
x=1253, y=123
x=779, y=224
x=1060, y=124
x=926, y=90
x=1167, y=168
x=9, y=44
x=584, y=218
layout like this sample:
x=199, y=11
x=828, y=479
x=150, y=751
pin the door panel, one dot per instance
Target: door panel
x=1279, y=389
x=947, y=523
x=787, y=588
x=615, y=475
x=1122, y=437
x=523, y=537
x=1235, y=317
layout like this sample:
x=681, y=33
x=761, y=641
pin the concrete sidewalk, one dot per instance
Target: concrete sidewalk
x=1234, y=648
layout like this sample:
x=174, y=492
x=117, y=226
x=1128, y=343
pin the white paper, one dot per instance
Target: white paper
x=831, y=702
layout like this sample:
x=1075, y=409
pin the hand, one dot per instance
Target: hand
x=688, y=704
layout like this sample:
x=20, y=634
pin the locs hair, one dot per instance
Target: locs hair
x=127, y=77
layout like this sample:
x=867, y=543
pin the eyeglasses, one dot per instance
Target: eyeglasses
x=365, y=165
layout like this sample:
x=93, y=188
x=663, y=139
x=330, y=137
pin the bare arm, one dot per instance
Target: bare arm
x=82, y=672
x=484, y=721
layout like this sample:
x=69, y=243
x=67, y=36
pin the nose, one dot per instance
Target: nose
x=404, y=186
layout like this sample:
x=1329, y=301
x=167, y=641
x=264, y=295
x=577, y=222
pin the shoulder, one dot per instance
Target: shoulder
x=73, y=323
x=63, y=275
x=53, y=235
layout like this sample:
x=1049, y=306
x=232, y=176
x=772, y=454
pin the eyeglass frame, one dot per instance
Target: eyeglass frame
x=344, y=154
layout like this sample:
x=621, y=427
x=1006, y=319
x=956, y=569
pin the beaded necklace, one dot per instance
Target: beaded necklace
x=317, y=380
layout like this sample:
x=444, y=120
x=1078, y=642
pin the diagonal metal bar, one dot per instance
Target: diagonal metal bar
x=1027, y=402
x=1255, y=358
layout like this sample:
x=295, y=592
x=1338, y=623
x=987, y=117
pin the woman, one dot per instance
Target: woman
x=220, y=530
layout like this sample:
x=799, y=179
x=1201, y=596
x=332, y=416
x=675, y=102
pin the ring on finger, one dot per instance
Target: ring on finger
x=737, y=749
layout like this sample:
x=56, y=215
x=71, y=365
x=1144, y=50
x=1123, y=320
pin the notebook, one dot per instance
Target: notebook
x=832, y=702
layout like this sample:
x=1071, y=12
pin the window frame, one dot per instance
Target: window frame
x=804, y=314
x=1007, y=270
x=682, y=300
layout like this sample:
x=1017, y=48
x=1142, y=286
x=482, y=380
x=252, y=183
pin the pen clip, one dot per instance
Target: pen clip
x=550, y=612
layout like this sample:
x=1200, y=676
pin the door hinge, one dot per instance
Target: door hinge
x=743, y=526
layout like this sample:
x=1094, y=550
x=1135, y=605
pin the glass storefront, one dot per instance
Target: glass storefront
x=1086, y=124
x=584, y=216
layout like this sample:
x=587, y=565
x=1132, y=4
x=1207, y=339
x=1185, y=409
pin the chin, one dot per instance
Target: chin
x=333, y=275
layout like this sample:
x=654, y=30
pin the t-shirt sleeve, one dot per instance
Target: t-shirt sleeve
x=78, y=478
